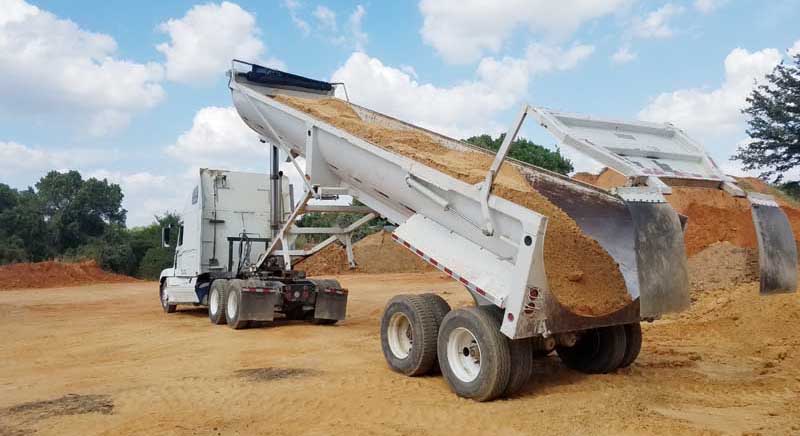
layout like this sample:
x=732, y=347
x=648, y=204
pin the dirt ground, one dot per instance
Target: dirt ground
x=104, y=359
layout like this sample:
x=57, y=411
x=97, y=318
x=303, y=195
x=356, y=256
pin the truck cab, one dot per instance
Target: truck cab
x=225, y=225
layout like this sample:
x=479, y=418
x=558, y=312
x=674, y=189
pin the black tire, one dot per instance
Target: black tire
x=217, y=293
x=234, y=291
x=440, y=309
x=521, y=351
x=409, y=315
x=597, y=351
x=439, y=306
x=482, y=327
x=168, y=308
x=633, y=344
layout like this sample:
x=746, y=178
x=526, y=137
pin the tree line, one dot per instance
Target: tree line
x=70, y=218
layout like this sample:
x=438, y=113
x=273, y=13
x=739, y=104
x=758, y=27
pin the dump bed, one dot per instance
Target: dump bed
x=443, y=219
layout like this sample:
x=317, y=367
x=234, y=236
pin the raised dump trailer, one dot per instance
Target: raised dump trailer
x=493, y=246
x=225, y=226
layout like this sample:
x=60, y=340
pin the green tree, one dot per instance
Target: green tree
x=79, y=210
x=527, y=151
x=773, y=111
x=24, y=231
x=151, y=256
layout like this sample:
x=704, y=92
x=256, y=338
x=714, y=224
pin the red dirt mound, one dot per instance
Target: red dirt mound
x=54, y=274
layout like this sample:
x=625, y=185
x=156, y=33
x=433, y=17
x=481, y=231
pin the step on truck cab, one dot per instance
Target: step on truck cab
x=226, y=225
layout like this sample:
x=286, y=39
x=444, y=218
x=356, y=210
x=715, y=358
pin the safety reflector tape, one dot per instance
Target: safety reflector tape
x=471, y=286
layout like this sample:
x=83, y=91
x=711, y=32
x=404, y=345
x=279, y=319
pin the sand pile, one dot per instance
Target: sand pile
x=53, y=274
x=714, y=216
x=375, y=254
x=581, y=274
x=723, y=266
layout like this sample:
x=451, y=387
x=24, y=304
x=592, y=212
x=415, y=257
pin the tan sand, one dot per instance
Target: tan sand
x=580, y=272
x=731, y=365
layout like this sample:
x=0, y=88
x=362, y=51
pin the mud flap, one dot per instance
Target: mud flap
x=331, y=304
x=660, y=253
x=777, y=250
x=258, y=306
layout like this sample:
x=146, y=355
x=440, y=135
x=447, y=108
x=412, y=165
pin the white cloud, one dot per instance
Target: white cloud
x=294, y=6
x=218, y=138
x=357, y=34
x=325, y=17
x=19, y=162
x=717, y=111
x=708, y=6
x=50, y=65
x=146, y=194
x=623, y=55
x=463, y=109
x=203, y=42
x=656, y=24
x=795, y=49
x=713, y=116
x=463, y=31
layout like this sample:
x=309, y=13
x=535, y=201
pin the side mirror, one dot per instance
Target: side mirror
x=165, y=236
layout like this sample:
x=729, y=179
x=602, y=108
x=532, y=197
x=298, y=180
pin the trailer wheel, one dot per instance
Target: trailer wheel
x=233, y=305
x=473, y=355
x=597, y=351
x=408, y=335
x=217, y=301
x=521, y=351
x=633, y=344
x=440, y=308
x=162, y=295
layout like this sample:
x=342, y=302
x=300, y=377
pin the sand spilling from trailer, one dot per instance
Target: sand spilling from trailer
x=580, y=272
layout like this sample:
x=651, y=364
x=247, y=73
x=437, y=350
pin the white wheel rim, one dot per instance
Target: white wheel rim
x=464, y=354
x=400, y=335
x=233, y=305
x=213, y=303
x=164, y=298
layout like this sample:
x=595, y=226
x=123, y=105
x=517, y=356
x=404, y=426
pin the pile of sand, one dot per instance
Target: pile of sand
x=54, y=274
x=375, y=254
x=714, y=216
x=723, y=266
x=581, y=274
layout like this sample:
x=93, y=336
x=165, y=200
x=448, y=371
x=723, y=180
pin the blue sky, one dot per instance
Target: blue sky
x=136, y=92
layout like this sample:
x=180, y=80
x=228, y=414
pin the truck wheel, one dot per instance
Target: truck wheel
x=408, y=335
x=521, y=351
x=440, y=308
x=217, y=301
x=473, y=355
x=597, y=351
x=162, y=295
x=233, y=305
x=633, y=344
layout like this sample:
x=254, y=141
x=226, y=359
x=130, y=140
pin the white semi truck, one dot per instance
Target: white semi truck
x=226, y=225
